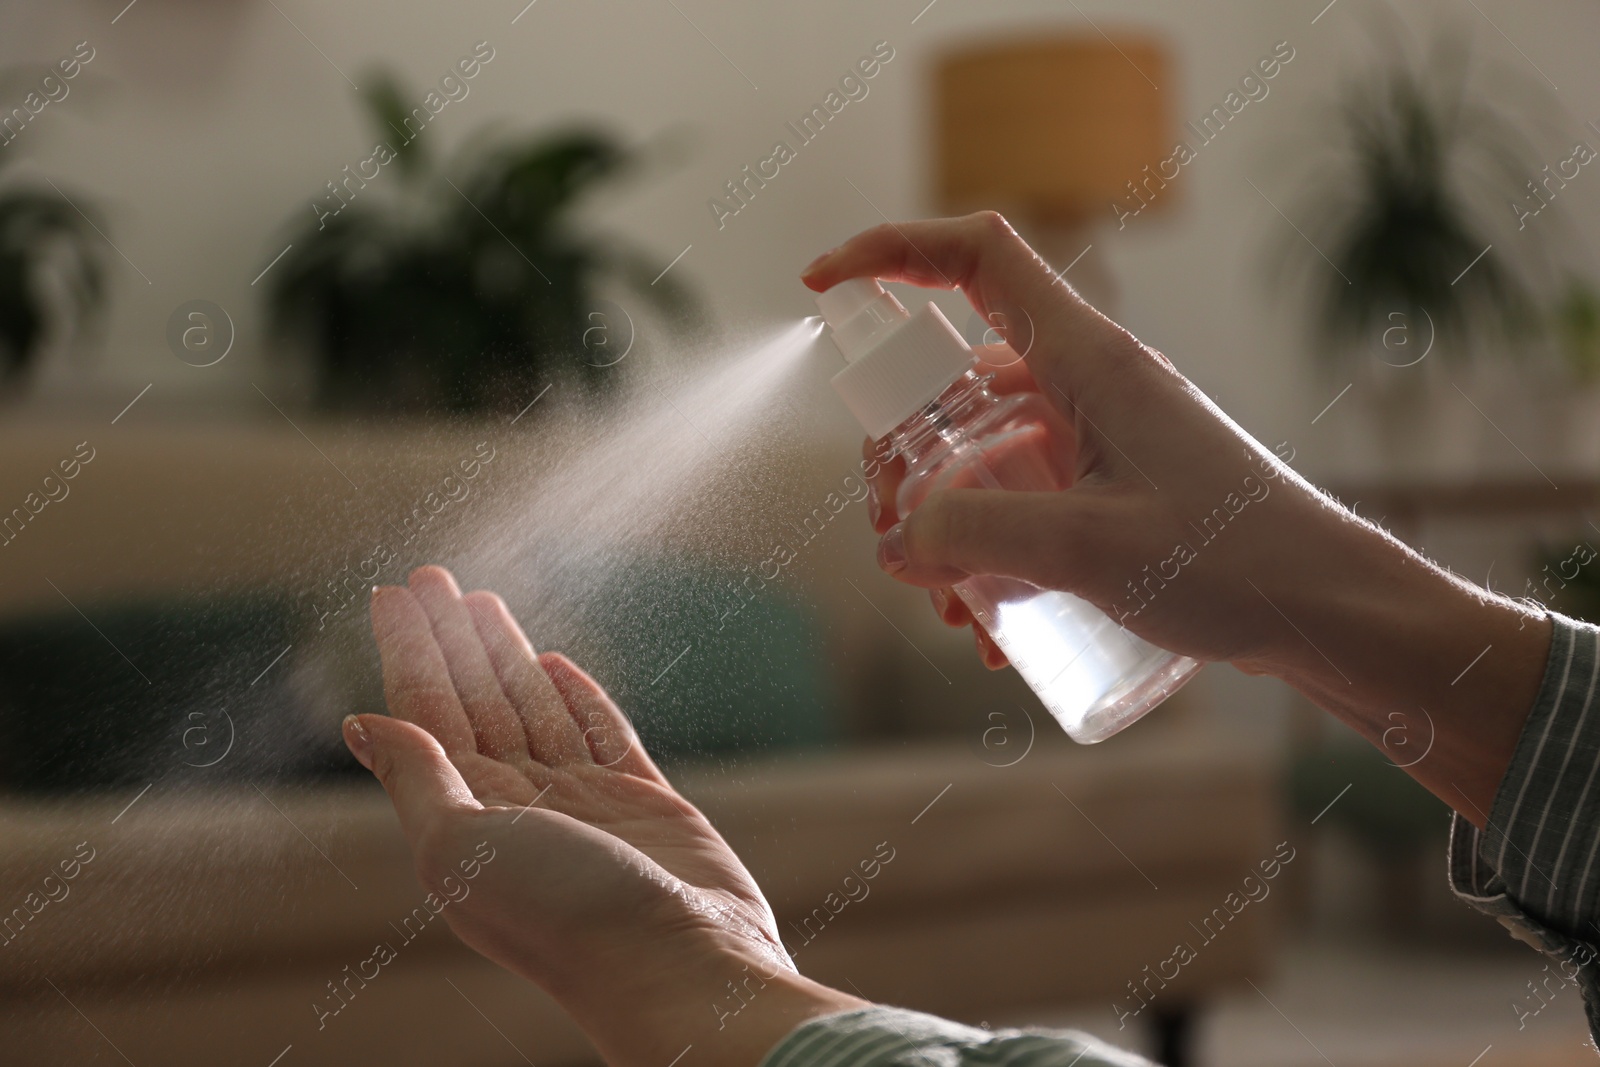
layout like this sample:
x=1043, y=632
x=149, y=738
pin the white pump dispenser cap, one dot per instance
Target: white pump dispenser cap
x=897, y=362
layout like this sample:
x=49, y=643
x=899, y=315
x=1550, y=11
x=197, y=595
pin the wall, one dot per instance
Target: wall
x=205, y=125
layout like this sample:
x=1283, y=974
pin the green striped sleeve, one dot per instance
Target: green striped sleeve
x=892, y=1037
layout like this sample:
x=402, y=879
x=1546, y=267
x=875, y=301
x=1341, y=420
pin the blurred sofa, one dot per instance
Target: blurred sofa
x=1026, y=871
x=212, y=921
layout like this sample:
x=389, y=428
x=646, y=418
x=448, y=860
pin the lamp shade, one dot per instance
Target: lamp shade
x=1055, y=129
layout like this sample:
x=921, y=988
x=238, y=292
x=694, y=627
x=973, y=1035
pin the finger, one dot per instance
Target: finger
x=887, y=471
x=988, y=651
x=496, y=727
x=553, y=736
x=1004, y=279
x=422, y=783
x=416, y=682
x=1043, y=538
x=607, y=732
x=980, y=254
x=950, y=608
x=1008, y=373
x=953, y=253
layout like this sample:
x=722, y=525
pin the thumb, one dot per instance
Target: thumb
x=954, y=533
x=421, y=781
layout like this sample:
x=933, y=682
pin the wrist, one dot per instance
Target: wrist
x=729, y=1001
x=1436, y=673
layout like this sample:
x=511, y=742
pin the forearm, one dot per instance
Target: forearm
x=1414, y=659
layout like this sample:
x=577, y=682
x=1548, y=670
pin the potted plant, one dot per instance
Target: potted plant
x=462, y=285
x=51, y=272
x=1395, y=261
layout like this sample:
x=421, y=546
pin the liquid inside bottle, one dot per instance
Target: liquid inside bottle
x=1091, y=673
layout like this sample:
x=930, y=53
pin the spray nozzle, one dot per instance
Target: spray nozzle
x=860, y=311
x=895, y=361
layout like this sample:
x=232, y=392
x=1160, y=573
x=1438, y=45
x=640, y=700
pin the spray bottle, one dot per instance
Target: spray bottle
x=913, y=379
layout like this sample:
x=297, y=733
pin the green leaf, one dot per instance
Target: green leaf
x=396, y=122
x=458, y=295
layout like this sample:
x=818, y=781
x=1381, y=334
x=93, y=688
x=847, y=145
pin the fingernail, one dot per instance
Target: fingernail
x=892, y=549
x=874, y=509
x=815, y=263
x=941, y=601
x=356, y=737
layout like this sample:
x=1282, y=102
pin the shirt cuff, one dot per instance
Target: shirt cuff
x=1535, y=866
x=894, y=1037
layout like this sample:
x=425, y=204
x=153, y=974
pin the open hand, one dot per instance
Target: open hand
x=605, y=887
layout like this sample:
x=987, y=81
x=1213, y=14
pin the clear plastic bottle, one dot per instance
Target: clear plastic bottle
x=914, y=369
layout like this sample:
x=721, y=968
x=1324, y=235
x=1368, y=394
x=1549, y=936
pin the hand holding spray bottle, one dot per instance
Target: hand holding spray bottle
x=910, y=377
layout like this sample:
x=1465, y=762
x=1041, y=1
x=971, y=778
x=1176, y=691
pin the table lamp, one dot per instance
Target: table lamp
x=1057, y=133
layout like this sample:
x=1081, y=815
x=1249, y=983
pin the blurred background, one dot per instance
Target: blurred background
x=296, y=298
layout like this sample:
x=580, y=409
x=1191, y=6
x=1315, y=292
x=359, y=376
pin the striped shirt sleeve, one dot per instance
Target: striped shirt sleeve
x=1536, y=864
x=893, y=1037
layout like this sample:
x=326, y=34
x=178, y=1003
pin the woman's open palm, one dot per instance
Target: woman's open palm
x=495, y=750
